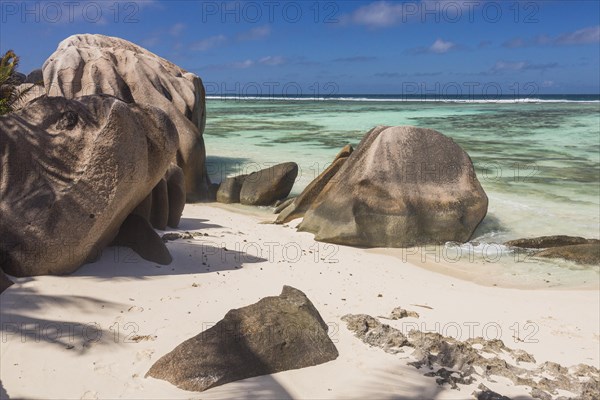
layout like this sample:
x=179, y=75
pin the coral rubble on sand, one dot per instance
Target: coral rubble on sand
x=463, y=362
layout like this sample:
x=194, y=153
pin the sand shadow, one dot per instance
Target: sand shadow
x=192, y=224
x=3, y=394
x=256, y=388
x=376, y=387
x=15, y=324
x=190, y=256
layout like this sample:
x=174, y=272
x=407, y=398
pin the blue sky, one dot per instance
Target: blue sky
x=338, y=47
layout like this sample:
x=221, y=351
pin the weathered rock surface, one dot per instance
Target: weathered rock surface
x=571, y=248
x=399, y=313
x=213, y=188
x=91, y=64
x=374, y=333
x=401, y=187
x=344, y=152
x=280, y=205
x=264, y=187
x=72, y=171
x=164, y=205
x=276, y=334
x=544, y=242
x=18, y=78
x=36, y=76
x=171, y=236
x=579, y=253
x=230, y=188
x=28, y=92
x=456, y=362
x=137, y=234
x=160, y=195
x=308, y=196
x=175, y=194
x=491, y=395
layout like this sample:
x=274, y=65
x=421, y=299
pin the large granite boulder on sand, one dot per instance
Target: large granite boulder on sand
x=164, y=205
x=276, y=334
x=91, y=64
x=306, y=199
x=402, y=186
x=137, y=234
x=264, y=187
x=72, y=171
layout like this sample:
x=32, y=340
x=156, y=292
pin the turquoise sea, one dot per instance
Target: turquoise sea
x=537, y=159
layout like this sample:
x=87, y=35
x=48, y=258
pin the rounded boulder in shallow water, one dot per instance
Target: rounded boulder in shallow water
x=588, y=254
x=402, y=186
x=545, y=242
x=264, y=187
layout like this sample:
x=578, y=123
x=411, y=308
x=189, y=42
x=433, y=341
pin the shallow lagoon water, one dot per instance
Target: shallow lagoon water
x=539, y=162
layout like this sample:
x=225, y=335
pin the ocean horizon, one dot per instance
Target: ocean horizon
x=409, y=98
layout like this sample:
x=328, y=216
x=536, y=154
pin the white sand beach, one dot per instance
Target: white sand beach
x=96, y=333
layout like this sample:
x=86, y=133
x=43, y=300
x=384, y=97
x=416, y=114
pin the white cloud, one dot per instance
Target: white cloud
x=548, y=84
x=440, y=46
x=272, y=60
x=502, y=66
x=220, y=40
x=355, y=59
x=91, y=12
x=242, y=64
x=257, y=33
x=248, y=63
x=208, y=43
x=509, y=66
x=541, y=40
x=514, y=43
x=377, y=15
x=582, y=36
x=151, y=41
x=177, y=29
x=381, y=14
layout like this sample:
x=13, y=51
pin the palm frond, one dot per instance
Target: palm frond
x=10, y=94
